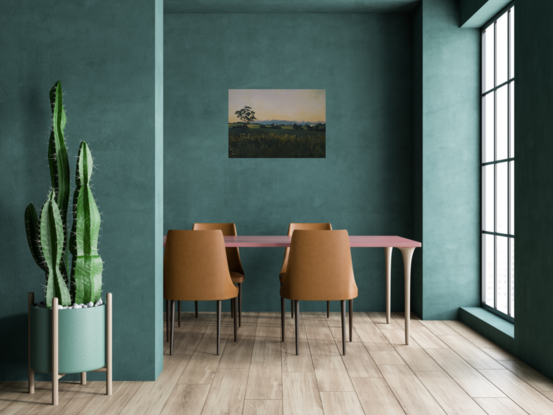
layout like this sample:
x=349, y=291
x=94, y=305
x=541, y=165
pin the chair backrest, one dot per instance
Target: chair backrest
x=306, y=227
x=228, y=229
x=319, y=267
x=195, y=267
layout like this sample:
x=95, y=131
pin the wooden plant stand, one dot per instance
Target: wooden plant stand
x=55, y=350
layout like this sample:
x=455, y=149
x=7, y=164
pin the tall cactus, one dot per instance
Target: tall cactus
x=47, y=234
x=59, y=174
x=52, y=240
x=87, y=264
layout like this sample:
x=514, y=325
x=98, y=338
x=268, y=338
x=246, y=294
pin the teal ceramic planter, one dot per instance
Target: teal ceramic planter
x=82, y=339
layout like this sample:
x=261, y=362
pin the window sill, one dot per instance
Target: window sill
x=494, y=328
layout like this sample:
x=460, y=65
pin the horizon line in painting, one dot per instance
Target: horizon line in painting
x=277, y=123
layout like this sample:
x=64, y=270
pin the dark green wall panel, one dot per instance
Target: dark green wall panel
x=290, y=6
x=476, y=13
x=533, y=189
x=103, y=52
x=449, y=153
x=365, y=183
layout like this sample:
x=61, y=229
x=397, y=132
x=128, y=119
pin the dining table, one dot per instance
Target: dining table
x=405, y=246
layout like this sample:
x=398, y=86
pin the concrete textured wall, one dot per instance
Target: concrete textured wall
x=364, y=62
x=103, y=52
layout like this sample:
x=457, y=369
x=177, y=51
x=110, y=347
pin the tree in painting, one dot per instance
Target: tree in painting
x=246, y=115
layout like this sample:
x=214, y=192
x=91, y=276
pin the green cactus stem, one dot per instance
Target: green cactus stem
x=58, y=161
x=57, y=152
x=33, y=237
x=52, y=239
x=87, y=264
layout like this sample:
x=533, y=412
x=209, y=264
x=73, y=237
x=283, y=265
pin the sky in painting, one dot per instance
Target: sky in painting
x=280, y=104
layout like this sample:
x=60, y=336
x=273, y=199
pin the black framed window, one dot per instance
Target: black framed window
x=498, y=165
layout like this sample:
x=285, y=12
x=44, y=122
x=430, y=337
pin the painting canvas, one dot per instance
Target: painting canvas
x=277, y=123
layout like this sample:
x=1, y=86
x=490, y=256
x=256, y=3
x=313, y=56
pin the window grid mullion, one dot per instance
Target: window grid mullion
x=495, y=165
x=508, y=164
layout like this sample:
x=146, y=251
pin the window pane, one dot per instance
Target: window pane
x=512, y=43
x=502, y=262
x=488, y=58
x=488, y=128
x=501, y=43
x=512, y=119
x=512, y=197
x=488, y=198
x=512, y=265
x=502, y=122
x=488, y=268
x=501, y=200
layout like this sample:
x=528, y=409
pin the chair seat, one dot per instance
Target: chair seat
x=281, y=277
x=236, y=277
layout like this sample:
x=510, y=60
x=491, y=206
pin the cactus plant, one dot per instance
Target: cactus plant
x=52, y=241
x=47, y=234
x=87, y=264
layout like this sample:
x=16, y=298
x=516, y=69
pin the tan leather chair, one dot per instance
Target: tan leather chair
x=195, y=269
x=233, y=258
x=291, y=229
x=320, y=269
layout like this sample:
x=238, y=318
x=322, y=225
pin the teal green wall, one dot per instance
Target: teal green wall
x=158, y=154
x=533, y=189
x=289, y=6
x=364, y=61
x=103, y=52
x=446, y=159
x=476, y=13
x=416, y=270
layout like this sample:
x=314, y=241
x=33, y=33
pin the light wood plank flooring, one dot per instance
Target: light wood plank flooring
x=447, y=369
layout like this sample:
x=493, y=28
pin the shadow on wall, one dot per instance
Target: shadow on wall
x=14, y=349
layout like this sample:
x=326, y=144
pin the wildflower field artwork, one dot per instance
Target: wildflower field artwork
x=277, y=123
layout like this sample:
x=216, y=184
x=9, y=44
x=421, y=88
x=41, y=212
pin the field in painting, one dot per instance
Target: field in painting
x=254, y=141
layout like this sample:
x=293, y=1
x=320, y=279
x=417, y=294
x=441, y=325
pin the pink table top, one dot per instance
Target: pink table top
x=283, y=241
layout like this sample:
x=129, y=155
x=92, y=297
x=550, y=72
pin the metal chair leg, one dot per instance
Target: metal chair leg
x=343, y=325
x=297, y=306
x=196, y=309
x=350, y=321
x=172, y=326
x=166, y=320
x=218, y=325
x=231, y=309
x=240, y=304
x=179, y=313
x=282, y=305
x=235, y=328
x=292, y=308
x=328, y=309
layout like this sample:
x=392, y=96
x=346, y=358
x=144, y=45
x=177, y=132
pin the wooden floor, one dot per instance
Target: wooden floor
x=447, y=369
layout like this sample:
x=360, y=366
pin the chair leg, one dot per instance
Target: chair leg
x=166, y=320
x=343, y=304
x=240, y=305
x=350, y=321
x=231, y=308
x=282, y=305
x=328, y=309
x=292, y=308
x=179, y=313
x=172, y=326
x=235, y=328
x=297, y=306
x=196, y=309
x=218, y=325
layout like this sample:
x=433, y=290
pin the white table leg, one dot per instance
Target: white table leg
x=407, y=257
x=388, y=252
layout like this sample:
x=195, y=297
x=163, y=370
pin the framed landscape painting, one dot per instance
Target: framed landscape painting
x=277, y=123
